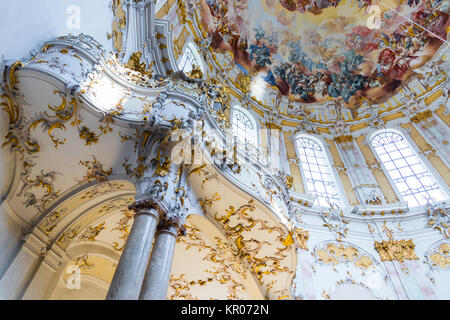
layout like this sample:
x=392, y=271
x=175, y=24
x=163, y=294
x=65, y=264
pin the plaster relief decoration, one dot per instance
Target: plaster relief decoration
x=91, y=224
x=56, y=215
x=51, y=220
x=123, y=226
x=63, y=113
x=83, y=262
x=91, y=233
x=37, y=189
x=438, y=256
x=67, y=111
x=18, y=139
x=61, y=57
x=299, y=237
x=396, y=250
x=68, y=235
x=95, y=171
x=335, y=222
x=214, y=270
x=105, y=188
x=439, y=218
x=334, y=253
x=268, y=258
x=313, y=51
x=119, y=26
x=110, y=231
x=338, y=264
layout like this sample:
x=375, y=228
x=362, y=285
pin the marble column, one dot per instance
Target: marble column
x=127, y=281
x=157, y=277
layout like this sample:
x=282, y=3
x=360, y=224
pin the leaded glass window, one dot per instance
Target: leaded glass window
x=189, y=59
x=317, y=171
x=244, y=127
x=410, y=175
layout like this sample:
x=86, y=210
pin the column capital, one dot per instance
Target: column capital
x=169, y=222
x=140, y=206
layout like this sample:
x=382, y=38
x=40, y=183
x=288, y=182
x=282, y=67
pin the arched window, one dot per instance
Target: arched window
x=190, y=58
x=318, y=174
x=410, y=175
x=244, y=126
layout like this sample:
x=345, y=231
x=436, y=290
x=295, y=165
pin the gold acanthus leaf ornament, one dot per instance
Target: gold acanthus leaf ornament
x=82, y=262
x=195, y=73
x=123, y=226
x=119, y=24
x=162, y=165
x=95, y=171
x=16, y=138
x=421, y=116
x=62, y=114
x=138, y=171
x=399, y=250
x=88, y=136
x=91, y=233
x=181, y=10
x=289, y=182
x=243, y=82
x=135, y=64
x=344, y=139
x=442, y=257
x=336, y=253
x=298, y=237
x=301, y=237
x=209, y=201
x=12, y=76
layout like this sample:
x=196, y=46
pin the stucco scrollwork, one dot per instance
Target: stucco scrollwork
x=439, y=218
x=335, y=222
x=339, y=252
x=438, y=256
x=396, y=250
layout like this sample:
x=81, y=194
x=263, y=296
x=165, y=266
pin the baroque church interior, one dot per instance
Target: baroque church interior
x=220, y=149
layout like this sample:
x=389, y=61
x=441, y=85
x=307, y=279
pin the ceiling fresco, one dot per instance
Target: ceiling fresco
x=317, y=50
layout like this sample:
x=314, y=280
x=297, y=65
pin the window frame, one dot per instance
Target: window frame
x=189, y=45
x=252, y=119
x=418, y=153
x=343, y=201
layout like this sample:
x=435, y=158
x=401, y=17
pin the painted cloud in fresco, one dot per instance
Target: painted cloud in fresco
x=313, y=50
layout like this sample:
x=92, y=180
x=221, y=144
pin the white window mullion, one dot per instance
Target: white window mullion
x=412, y=179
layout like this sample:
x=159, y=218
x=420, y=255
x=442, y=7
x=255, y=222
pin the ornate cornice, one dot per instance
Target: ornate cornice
x=381, y=209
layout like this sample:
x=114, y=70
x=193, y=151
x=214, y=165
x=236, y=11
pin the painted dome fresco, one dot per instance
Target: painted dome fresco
x=317, y=50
